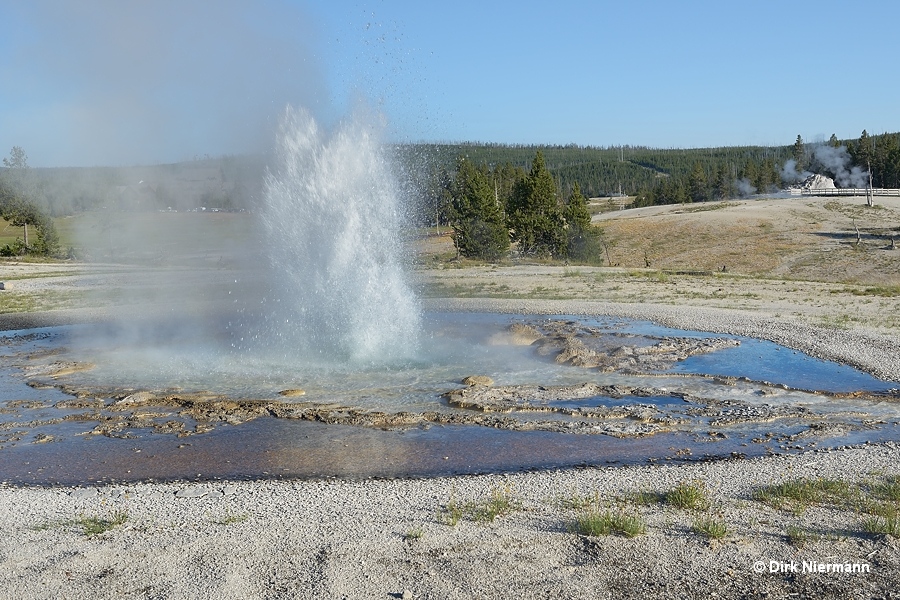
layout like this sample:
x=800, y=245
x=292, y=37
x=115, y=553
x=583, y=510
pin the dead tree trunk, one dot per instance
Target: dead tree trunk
x=869, y=200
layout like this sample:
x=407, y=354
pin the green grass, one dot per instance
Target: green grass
x=883, y=526
x=694, y=208
x=645, y=498
x=414, y=534
x=691, y=496
x=92, y=526
x=878, y=500
x=888, y=489
x=798, y=536
x=89, y=525
x=594, y=523
x=231, y=519
x=710, y=527
x=798, y=494
x=885, y=291
x=452, y=513
x=576, y=501
x=501, y=503
x=10, y=233
x=13, y=302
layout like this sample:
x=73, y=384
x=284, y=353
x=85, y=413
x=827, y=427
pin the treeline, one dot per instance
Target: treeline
x=880, y=155
x=662, y=176
x=868, y=160
x=227, y=183
x=491, y=207
x=18, y=209
x=599, y=171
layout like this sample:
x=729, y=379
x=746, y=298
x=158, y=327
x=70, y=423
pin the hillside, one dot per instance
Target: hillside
x=808, y=238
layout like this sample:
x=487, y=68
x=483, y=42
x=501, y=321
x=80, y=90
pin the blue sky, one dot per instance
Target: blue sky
x=91, y=82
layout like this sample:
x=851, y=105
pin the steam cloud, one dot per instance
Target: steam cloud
x=837, y=160
x=744, y=187
x=833, y=160
x=789, y=173
x=158, y=81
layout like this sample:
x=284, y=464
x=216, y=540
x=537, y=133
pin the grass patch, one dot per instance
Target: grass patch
x=595, y=523
x=703, y=207
x=231, y=519
x=798, y=494
x=501, y=503
x=91, y=526
x=645, y=498
x=691, y=496
x=710, y=527
x=798, y=536
x=452, y=513
x=13, y=302
x=576, y=501
x=888, y=489
x=889, y=525
x=651, y=275
x=885, y=291
x=414, y=534
x=837, y=321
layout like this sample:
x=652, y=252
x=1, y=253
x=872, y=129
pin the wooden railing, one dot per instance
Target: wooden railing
x=845, y=192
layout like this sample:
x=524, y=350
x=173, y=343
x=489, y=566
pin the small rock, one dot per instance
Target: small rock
x=473, y=380
x=407, y=595
x=292, y=392
x=229, y=490
x=84, y=493
x=194, y=491
x=136, y=398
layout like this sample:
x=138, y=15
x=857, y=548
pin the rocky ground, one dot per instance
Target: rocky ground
x=700, y=530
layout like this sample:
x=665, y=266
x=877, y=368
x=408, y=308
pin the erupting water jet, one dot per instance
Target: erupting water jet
x=333, y=219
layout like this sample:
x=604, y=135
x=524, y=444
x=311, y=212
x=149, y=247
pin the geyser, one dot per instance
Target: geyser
x=312, y=281
x=333, y=220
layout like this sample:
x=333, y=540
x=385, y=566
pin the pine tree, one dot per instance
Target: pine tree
x=535, y=217
x=861, y=151
x=477, y=221
x=697, y=184
x=723, y=183
x=798, y=152
x=582, y=238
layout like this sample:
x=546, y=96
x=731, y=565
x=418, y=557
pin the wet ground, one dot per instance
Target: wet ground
x=545, y=392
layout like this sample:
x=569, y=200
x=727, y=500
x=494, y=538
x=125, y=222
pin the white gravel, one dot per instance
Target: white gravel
x=375, y=539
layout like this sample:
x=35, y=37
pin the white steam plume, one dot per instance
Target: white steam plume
x=837, y=160
x=744, y=187
x=790, y=174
